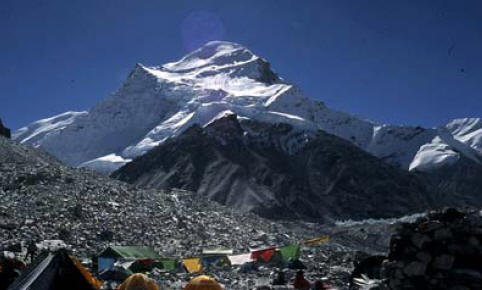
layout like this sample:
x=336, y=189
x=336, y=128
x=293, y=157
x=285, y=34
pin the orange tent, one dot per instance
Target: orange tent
x=139, y=281
x=203, y=282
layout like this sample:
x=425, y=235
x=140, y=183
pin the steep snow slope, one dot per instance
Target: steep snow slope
x=467, y=131
x=156, y=103
x=398, y=145
x=35, y=133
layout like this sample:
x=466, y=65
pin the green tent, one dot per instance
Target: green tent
x=290, y=252
x=130, y=252
x=167, y=264
x=109, y=256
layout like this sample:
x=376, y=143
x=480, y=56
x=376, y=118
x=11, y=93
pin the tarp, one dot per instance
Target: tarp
x=203, y=282
x=138, y=281
x=105, y=263
x=193, y=265
x=132, y=252
x=116, y=273
x=290, y=252
x=264, y=254
x=317, y=241
x=240, y=259
x=55, y=271
x=142, y=265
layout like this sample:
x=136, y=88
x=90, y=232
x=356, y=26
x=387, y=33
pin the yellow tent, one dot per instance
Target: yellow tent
x=139, y=281
x=193, y=265
x=203, y=282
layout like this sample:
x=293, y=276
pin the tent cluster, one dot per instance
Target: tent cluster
x=56, y=271
x=138, y=259
x=60, y=271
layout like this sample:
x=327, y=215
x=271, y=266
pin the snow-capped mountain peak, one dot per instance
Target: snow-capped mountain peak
x=214, y=54
x=159, y=102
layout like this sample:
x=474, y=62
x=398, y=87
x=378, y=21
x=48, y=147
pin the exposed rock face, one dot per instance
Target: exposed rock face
x=252, y=166
x=4, y=131
x=440, y=251
x=461, y=183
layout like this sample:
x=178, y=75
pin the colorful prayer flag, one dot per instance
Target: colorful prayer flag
x=193, y=265
x=264, y=255
x=316, y=241
x=240, y=259
x=290, y=252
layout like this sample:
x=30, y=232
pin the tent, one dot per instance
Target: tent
x=139, y=281
x=115, y=274
x=203, y=282
x=112, y=254
x=56, y=271
x=166, y=264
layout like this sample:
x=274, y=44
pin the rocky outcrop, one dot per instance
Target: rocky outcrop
x=4, y=131
x=460, y=183
x=440, y=251
x=261, y=167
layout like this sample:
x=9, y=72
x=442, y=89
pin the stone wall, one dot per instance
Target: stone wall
x=440, y=251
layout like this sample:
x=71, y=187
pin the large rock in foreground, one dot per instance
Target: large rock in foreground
x=4, y=131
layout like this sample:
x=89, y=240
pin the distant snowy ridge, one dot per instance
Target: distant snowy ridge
x=34, y=133
x=459, y=138
x=160, y=102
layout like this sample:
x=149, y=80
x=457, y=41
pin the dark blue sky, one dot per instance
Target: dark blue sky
x=405, y=62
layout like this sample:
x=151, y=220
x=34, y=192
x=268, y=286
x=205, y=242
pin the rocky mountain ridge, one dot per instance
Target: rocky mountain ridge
x=261, y=167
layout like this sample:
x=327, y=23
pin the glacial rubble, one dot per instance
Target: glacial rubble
x=40, y=199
